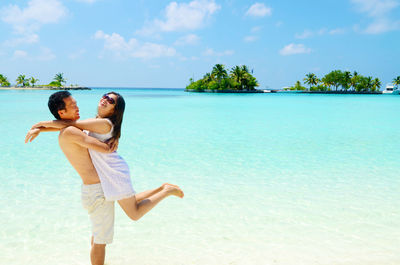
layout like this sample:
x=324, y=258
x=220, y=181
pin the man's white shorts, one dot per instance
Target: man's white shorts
x=101, y=213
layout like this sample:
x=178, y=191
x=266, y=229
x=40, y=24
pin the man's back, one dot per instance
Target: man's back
x=78, y=155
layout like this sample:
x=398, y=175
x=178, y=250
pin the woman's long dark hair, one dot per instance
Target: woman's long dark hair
x=118, y=114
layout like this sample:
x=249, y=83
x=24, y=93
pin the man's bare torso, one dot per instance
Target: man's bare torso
x=79, y=158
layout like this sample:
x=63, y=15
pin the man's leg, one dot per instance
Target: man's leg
x=101, y=214
x=98, y=254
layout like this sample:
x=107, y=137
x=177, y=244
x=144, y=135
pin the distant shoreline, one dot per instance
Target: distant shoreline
x=46, y=88
x=344, y=92
x=288, y=92
x=225, y=91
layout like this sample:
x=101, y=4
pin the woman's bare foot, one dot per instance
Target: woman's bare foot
x=173, y=190
x=166, y=183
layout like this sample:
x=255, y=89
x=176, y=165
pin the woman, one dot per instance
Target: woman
x=112, y=169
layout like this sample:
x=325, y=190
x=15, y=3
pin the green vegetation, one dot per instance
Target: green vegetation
x=396, y=81
x=239, y=79
x=58, y=80
x=338, y=80
x=4, y=81
x=23, y=81
x=33, y=81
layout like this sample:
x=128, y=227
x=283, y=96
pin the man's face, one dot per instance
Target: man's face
x=71, y=111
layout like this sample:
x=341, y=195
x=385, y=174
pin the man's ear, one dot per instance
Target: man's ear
x=61, y=112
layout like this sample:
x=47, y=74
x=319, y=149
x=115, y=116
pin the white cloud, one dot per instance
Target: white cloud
x=293, y=48
x=259, y=10
x=304, y=35
x=337, y=31
x=182, y=16
x=250, y=38
x=46, y=54
x=25, y=39
x=87, y=1
x=323, y=31
x=37, y=12
x=20, y=54
x=255, y=29
x=189, y=39
x=77, y=54
x=382, y=25
x=379, y=12
x=26, y=21
x=153, y=50
x=375, y=8
x=117, y=45
x=211, y=52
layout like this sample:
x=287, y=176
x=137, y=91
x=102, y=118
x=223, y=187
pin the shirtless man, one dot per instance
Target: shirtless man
x=75, y=143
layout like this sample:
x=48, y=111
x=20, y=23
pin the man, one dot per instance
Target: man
x=75, y=143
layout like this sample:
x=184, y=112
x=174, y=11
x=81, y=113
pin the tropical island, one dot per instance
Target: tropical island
x=340, y=82
x=22, y=82
x=239, y=80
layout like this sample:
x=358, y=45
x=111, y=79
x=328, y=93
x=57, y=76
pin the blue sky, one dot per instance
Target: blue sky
x=164, y=43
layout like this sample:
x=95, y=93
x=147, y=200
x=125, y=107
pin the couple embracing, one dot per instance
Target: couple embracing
x=90, y=146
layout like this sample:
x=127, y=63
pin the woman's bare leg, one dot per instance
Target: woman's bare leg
x=146, y=194
x=135, y=210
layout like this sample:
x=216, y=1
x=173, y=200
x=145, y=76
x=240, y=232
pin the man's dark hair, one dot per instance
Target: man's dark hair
x=56, y=102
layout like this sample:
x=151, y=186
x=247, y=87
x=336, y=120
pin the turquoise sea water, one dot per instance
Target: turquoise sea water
x=268, y=179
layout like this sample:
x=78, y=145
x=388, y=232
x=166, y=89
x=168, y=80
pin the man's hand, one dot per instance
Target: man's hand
x=32, y=134
x=113, y=144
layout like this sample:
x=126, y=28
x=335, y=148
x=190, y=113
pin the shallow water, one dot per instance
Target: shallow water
x=268, y=179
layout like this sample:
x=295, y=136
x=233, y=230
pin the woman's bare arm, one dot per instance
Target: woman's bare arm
x=97, y=125
x=34, y=132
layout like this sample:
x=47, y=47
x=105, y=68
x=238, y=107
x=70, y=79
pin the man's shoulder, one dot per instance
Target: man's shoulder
x=71, y=131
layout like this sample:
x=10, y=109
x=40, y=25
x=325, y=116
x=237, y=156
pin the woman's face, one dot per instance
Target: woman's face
x=106, y=105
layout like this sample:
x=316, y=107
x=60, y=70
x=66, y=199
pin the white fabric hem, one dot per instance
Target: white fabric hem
x=120, y=197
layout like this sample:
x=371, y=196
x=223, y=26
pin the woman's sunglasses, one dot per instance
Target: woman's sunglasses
x=109, y=99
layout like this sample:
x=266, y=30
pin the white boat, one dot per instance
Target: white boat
x=390, y=89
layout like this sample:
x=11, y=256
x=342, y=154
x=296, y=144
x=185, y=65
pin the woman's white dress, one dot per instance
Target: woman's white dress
x=113, y=171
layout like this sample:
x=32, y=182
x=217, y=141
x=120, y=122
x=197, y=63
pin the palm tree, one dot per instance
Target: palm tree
x=369, y=83
x=245, y=69
x=2, y=79
x=21, y=80
x=59, y=78
x=33, y=81
x=248, y=82
x=311, y=79
x=396, y=81
x=207, y=77
x=238, y=74
x=297, y=85
x=346, y=80
x=376, y=84
x=219, y=72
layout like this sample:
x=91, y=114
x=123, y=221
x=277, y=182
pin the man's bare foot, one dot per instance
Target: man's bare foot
x=173, y=190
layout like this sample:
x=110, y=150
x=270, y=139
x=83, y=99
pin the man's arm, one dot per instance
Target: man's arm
x=75, y=135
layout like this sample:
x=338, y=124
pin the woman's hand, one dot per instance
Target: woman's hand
x=32, y=134
x=113, y=144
